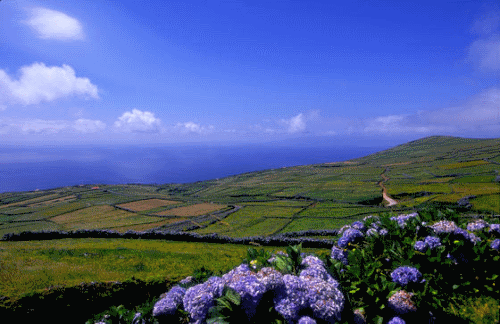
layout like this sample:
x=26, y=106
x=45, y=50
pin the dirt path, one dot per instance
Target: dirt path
x=390, y=201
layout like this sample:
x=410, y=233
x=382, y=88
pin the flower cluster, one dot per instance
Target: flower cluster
x=396, y=320
x=351, y=235
x=404, y=275
x=402, y=219
x=401, y=302
x=444, y=227
x=495, y=244
x=169, y=304
x=314, y=289
x=339, y=254
x=430, y=242
x=494, y=228
x=477, y=225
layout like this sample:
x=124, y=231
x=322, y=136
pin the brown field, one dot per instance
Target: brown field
x=147, y=204
x=53, y=201
x=193, y=210
x=30, y=201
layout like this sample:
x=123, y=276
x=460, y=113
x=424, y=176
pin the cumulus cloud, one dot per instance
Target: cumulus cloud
x=88, y=126
x=51, y=24
x=296, y=124
x=138, y=121
x=38, y=83
x=191, y=127
x=393, y=124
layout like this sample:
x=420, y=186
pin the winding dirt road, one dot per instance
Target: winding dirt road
x=390, y=201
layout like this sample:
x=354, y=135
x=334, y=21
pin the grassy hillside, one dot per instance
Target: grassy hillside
x=436, y=170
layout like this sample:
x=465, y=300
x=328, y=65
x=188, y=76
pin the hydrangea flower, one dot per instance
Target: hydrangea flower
x=444, y=226
x=339, y=254
x=270, y=278
x=495, y=244
x=169, y=304
x=402, y=219
x=401, y=302
x=477, y=225
x=186, y=280
x=292, y=298
x=358, y=225
x=371, y=232
x=312, y=260
x=198, y=299
x=383, y=232
x=420, y=246
x=350, y=236
x=370, y=217
x=432, y=242
x=306, y=320
x=494, y=228
x=404, y=275
x=473, y=238
x=343, y=229
x=396, y=320
x=325, y=300
x=251, y=291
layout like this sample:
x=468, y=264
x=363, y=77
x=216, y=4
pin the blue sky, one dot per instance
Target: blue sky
x=109, y=72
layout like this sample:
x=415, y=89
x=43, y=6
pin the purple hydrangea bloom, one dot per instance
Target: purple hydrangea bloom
x=444, y=227
x=477, y=225
x=340, y=255
x=358, y=225
x=473, y=238
x=420, y=246
x=371, y=232
x=186, y=280
x=383, y=232
x=292, y=298
x=403, y=219
x=494, y=228
x=251, y=291
x=169, y=304
x=198, y=300
x=270, y=278
x=350, y=236
x=311, y=260
x=401, y=302
x=343, y=229
x=461, y=234
x=306, y=320
x=403, y=275
x=325, y=300
x=495, y=244
x=396, y=320
x=432, y=242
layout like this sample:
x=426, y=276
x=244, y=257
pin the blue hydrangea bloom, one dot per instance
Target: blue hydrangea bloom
x=420, y=246
x=306, y=320
x=251, y=291
x=460, y=233
x=197, y=301
x=270, y=278
x=292, y=298
x=403, y=219
x=477, y=225
x=444, y=226
x=396, y=320
x=432, y=242
x=494, y=228
x=495, y=244
x=371, y=232
x=169, y=304
x=383, y=232
x=311, y=260
x=358, y=225
x=404, y=275
x=473, y=238
x=401, y=302
x=339, y=254
x=325, y=300
x=350, y=236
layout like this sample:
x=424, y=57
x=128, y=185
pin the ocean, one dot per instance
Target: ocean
x=24, y=168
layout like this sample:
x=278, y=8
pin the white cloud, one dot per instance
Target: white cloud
x=88, y=126
x=51, y=24
x=296, y=124
x=485, y=53
x=480, y=115
x=38, y=83
x=43, y=126
x=138, y=121
x=487, y=24
x=191, y=127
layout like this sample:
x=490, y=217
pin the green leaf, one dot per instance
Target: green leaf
x=233, y=296
x=456, y=286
